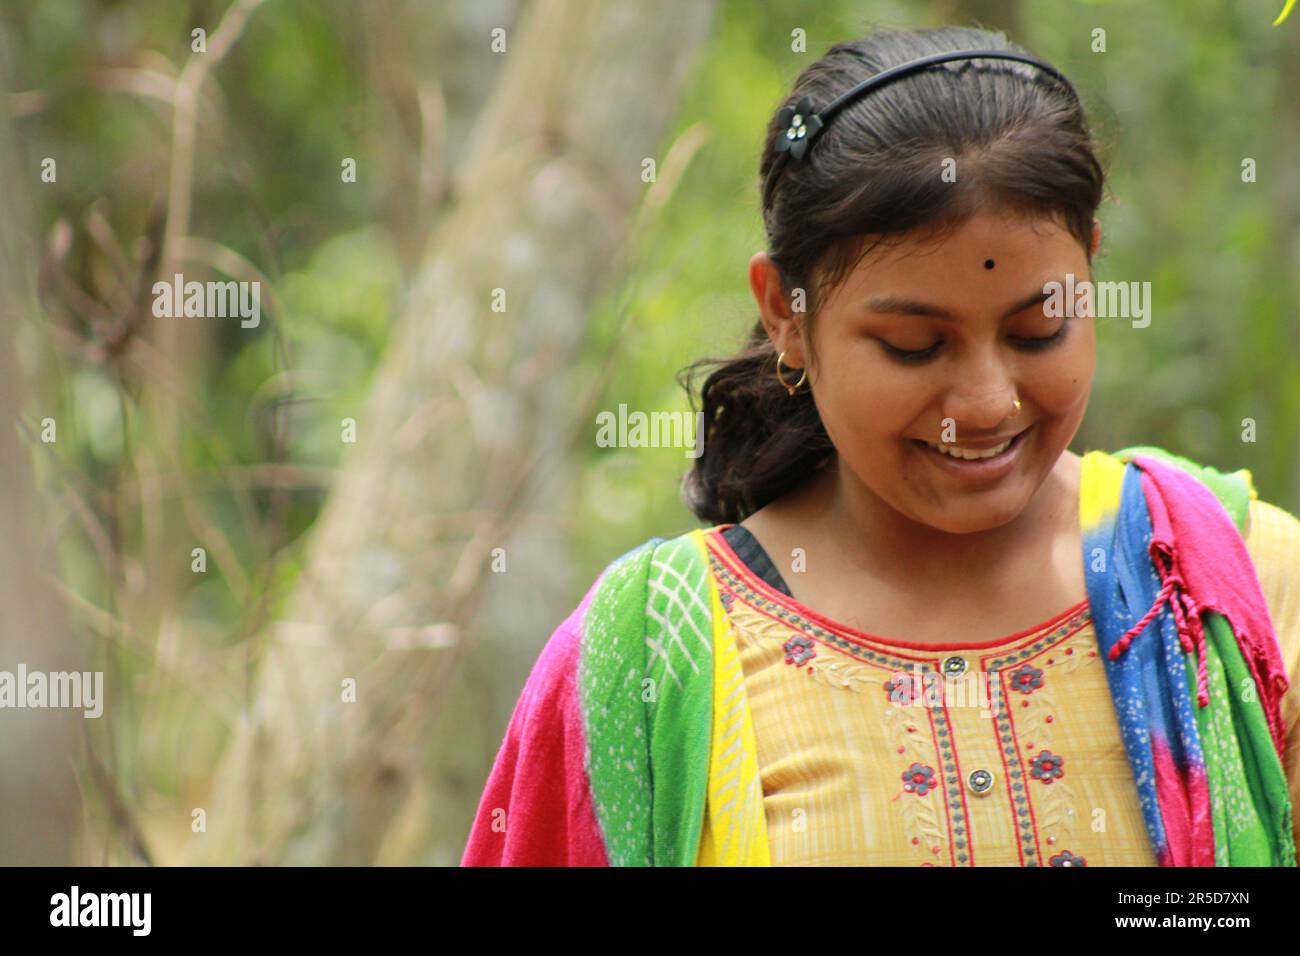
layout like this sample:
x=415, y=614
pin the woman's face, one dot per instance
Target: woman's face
x=997, y=344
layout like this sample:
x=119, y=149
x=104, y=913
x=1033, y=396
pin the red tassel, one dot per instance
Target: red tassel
x=1187, y=617
x=1122, y=644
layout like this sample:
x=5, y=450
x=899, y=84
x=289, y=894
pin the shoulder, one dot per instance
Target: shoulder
x=1234, y=489
x=1272, y=537
x=1273, y=540
x=682, y=552
x=645, y=602
x=1272, y=528
x=623, y=601
x=612, y=605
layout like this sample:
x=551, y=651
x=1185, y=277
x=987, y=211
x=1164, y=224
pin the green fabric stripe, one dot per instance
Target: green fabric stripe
x=610, y=668
x=1266, y=842
x=1238, y=830
x=646, y=678
x=679, y=645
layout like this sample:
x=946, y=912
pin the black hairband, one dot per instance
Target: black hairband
x=802, y=124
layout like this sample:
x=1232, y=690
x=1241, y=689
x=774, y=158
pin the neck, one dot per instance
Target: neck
x=871, y=536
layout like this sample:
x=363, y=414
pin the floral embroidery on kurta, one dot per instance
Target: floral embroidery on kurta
x=799, y=650
x=1047, y=767
x=1066, y=858
x=1026, y=679
x=939, y=784
x=918, y=779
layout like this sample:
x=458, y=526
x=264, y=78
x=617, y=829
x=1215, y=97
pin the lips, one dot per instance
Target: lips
x=980, y=470
x=974, y=452
x=966, y=454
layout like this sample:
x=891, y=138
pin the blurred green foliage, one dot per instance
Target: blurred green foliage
x=1184, y=92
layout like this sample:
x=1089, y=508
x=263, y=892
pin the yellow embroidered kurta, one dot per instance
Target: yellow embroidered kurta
x=1019, y=762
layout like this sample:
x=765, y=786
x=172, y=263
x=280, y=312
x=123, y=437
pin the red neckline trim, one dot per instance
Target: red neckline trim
x=719, y=543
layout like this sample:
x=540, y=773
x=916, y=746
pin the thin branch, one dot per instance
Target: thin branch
x=117, y=807
x=185, y=127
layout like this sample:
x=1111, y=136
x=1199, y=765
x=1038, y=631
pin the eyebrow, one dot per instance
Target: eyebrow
x=906, y=306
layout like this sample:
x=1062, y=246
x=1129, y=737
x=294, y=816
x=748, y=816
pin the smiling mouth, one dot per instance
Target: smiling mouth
x=957, y=453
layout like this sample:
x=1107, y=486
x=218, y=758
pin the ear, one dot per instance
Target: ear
x=782, y=323
x=1096, y=236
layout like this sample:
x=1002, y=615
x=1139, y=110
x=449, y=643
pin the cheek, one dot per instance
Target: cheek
x=1060, y=386
x=865, y=403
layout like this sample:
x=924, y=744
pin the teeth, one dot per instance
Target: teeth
x=969, y=454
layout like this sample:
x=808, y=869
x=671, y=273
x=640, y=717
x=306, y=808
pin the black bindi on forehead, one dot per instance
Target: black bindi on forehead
x=988, y=263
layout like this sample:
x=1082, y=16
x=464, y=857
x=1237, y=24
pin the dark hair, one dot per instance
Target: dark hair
x=1025, y=148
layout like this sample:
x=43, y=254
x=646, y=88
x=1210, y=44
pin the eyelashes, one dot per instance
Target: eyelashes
x=1028, y=344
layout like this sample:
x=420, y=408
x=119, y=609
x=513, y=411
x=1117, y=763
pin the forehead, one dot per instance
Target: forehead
x=951, y=259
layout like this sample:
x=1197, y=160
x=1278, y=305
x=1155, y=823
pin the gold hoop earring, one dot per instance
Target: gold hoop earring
x=1017, y=411
x=788, y=387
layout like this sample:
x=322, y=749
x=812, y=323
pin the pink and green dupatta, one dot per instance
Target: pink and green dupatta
x=1194, y=668
x=634, y=717
x=624, y=684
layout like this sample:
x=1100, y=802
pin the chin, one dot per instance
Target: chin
x=973, y=526
x=975, y=516
x=970, y=523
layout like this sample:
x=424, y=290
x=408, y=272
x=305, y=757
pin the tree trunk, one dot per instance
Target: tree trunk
x=469, y=417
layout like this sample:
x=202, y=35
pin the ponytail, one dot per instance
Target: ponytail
x=759, y=440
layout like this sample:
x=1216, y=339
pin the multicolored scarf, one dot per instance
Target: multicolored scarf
x=1193, y=664
x=635, y=720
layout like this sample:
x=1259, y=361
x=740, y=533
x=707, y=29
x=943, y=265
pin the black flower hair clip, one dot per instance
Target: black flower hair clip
x=798, y=125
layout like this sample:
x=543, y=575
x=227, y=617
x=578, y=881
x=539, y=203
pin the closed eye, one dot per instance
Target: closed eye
x=1029, y=344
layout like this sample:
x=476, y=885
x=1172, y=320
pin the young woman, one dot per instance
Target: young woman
x=919, y=630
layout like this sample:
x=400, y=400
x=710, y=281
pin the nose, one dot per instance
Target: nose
x=982, y=402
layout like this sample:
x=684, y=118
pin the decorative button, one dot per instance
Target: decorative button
x=954, y=666
x=980, y=782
